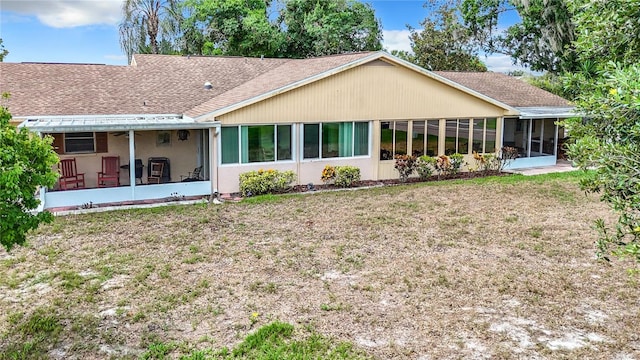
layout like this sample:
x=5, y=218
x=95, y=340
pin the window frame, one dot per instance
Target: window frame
x=275, y=144
x=321, y=144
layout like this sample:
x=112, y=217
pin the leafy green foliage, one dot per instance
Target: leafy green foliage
x=3, y=52
x=26, y=162
x=543, y=39
x=608, y=139
x=231, y=27
x=265, y=182
x=443, y=43
x=347, y=176
x=315, y=28
x=300, y=29
x=425, y=166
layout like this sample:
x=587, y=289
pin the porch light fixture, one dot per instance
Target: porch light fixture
x=208, y=86
x=183, y=135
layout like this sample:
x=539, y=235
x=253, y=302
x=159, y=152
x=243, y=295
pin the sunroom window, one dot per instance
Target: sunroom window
x=484, y=135
x=393, y=139
x=457, y=137
x=425, y=137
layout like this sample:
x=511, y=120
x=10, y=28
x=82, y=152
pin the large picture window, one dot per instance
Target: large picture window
x=331, y=140
x=255, y=143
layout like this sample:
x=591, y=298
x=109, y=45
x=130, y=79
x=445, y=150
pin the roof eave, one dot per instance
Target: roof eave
x=136, y=122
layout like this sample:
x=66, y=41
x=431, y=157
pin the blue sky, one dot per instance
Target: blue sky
x=85, y=31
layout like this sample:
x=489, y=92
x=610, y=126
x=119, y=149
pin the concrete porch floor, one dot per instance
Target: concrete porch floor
x=560, y=166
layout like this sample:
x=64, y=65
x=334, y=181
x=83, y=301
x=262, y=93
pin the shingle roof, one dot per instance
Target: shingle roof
x=154, y=84
x=165, y=84
x=506, y=89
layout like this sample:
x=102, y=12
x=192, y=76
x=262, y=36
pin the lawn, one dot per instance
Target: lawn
x=488, y=268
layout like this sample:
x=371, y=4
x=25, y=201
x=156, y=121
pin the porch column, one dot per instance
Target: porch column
x=213, y=156
x=541, y=137
x=132, y=163
x=529, y=138
x=555, y=140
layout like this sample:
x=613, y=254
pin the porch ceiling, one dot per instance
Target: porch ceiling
x=543, y=112
x=113, y=123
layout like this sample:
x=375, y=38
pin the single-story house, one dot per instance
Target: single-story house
x=209, y=119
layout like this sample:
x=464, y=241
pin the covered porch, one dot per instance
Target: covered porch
x=172, y=157
x=536, y=135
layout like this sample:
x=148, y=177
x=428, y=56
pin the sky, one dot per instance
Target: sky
x=86, y=31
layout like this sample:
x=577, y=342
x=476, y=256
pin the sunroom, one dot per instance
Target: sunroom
x=171, y=156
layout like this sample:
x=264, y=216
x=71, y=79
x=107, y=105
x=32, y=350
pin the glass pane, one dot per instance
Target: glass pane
x=311, y=141
x=260, y=143
x=346, y=139
x=478, y=134
x=490, y=136
x=548, y=137
x=450, y=139
x=463, y=136
x=229, y=142
x=433, y=130
x=417, y=138
x=284, y=142
x=330, y=140
x=361, y=139
x=81, y=142
x=386, y=140
x=401, y=137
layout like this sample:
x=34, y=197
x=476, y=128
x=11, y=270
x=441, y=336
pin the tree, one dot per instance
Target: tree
x=146, y=23
x=326, y=27
x=3, y=52
x=26, y=162
x=444, y=43
x=542, y=41
x=608, y=137
x=231, y=27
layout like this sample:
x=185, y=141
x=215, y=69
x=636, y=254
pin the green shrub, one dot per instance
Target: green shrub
x=265, y=182
x=346, y=176
x=457, y=160
x=405, y=164
x=425, y=166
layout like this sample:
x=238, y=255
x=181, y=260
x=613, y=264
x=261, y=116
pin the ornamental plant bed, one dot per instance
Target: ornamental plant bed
x=392, y=182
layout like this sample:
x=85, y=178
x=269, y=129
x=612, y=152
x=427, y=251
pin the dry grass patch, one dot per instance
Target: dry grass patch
x=492, y=268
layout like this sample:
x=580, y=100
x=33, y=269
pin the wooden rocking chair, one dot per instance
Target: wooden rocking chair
x=110, y=174
x=69, y=177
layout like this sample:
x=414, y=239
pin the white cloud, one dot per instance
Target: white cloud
x=396, y=40
x=503, y=64
x=68, y=13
